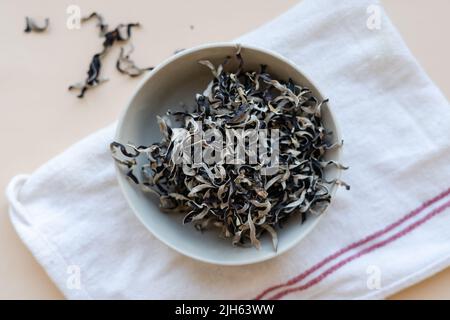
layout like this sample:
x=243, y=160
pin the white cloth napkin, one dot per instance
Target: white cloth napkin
x=390, y=231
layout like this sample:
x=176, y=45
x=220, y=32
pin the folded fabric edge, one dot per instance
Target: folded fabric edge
x=40, y=247
x=440, y=264
x=409, y=280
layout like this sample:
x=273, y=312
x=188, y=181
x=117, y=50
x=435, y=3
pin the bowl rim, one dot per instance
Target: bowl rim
x=179, y=55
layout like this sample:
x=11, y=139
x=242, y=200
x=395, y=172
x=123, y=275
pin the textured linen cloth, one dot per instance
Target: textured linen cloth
x=390, y=231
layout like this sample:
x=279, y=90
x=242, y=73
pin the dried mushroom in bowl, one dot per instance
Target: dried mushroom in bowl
x=249, y=155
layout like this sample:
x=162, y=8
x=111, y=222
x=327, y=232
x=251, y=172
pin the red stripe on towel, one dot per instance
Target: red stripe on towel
x=373, y=247
x=356, y=244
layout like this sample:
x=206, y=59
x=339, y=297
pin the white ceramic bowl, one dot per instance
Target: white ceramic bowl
x=177, y=80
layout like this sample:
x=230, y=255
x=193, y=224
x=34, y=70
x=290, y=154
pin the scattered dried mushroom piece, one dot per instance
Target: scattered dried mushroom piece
x=122, y=33
x=127, y=66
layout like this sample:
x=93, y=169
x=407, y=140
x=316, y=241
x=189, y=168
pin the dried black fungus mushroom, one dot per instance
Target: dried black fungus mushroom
x=122, y=33
x=127, y=66
x=239, y=199
x=93, y=75
x=31, y=25
x=103, y=27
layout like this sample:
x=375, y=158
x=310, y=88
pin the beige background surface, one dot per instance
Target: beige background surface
x=39, y=118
